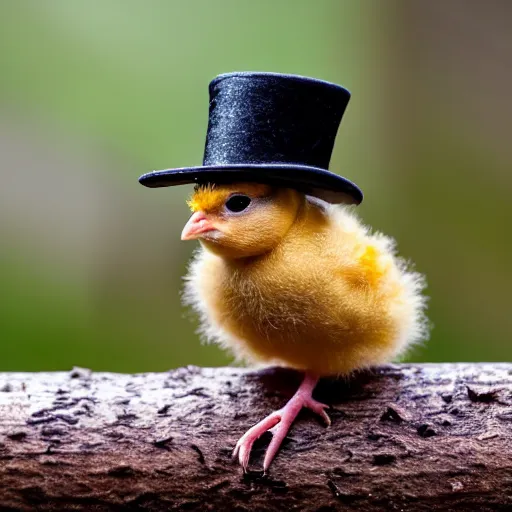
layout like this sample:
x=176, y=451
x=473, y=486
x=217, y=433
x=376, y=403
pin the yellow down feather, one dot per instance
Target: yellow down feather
x=314, y=290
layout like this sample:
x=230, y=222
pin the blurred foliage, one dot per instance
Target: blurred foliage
x=93, y=94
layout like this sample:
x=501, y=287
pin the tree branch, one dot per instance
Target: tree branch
x=406, y=437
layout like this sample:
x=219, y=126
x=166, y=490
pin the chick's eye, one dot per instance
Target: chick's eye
x=238, y=203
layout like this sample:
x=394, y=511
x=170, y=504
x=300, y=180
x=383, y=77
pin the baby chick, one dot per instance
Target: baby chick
x=286, y=279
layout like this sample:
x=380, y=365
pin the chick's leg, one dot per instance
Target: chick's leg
x=279, y=423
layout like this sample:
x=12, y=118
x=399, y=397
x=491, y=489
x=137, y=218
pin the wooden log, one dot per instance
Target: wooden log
x=406, y=437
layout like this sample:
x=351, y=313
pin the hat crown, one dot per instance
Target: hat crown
x=269, y=118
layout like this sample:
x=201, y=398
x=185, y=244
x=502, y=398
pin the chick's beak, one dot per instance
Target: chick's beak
x=197, y=225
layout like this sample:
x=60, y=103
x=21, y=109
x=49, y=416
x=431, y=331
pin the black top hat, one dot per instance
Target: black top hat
x=270, y=128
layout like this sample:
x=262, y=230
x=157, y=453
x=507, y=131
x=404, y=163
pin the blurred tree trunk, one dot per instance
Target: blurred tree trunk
x=448, y=130
x=407, y=437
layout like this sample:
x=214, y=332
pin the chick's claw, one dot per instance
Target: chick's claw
x=244, y=445
x=279, y=423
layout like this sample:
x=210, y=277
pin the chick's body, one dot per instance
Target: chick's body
x=283, y=278
x=329, y=298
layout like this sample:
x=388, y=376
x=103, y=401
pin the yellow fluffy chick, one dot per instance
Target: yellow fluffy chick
x=286, y=279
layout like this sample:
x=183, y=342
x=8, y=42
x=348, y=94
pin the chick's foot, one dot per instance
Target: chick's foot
x=279, y=423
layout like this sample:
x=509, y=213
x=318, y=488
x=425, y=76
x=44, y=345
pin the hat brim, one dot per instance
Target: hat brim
x=311, y=180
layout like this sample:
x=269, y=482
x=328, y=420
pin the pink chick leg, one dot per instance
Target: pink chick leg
x=279, y=423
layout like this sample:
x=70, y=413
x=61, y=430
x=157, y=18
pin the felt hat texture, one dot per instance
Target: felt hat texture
x=270, y=128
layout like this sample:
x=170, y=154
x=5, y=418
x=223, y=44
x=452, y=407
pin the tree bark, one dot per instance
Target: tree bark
x=405, y=437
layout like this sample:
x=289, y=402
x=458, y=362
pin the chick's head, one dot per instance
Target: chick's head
x=241, y=220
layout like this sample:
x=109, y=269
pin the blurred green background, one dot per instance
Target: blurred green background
x=94, y=93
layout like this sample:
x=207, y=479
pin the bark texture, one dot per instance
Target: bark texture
x=405, y=437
